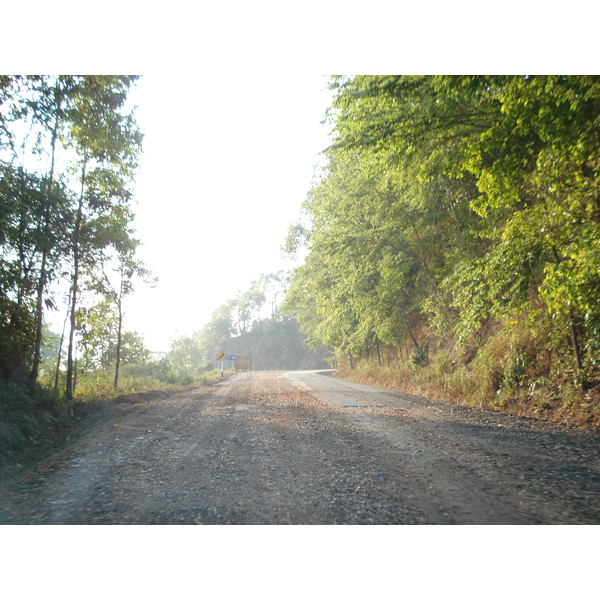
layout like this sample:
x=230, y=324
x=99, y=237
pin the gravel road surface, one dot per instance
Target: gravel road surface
x=307, y=448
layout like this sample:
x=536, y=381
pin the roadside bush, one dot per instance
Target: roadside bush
x=35, y=420
x=511, y=370
x=30, y=420
x=418, y=357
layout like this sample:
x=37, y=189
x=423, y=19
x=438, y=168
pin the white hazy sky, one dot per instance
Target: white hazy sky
x=228, y=159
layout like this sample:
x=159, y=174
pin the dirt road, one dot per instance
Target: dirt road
x=304, y=448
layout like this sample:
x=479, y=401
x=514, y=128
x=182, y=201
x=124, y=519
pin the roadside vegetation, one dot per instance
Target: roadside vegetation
x=452, y=241
x=499, y=377
x=451, y=244
x=35, y=420
x=69, y=150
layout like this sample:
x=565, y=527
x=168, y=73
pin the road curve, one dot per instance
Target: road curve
x=307, y=448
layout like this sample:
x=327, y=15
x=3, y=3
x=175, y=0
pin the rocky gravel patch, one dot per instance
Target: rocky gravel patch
x=259, y=448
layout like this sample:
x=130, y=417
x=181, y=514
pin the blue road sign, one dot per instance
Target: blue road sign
x=230, y=357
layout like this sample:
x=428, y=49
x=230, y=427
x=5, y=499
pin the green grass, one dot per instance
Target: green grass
x=100, y=385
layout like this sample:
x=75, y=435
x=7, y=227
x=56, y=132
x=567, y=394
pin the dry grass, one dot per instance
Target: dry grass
x=498, y=378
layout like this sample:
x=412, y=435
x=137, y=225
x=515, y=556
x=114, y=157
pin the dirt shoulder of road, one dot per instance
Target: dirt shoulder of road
x=573, y=408
x=85, y=417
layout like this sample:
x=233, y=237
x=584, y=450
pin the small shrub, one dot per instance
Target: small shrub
x=418, y=356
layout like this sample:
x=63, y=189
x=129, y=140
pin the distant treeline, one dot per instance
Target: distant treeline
x=249, y=324
x=277, y=344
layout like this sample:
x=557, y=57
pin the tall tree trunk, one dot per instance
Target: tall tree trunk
x=43, y=275
x=412, y=337
x=575, y=342
x=39, y=320
x=62, y=339
x=75, y=282
x=75, y=370
x=119, y=340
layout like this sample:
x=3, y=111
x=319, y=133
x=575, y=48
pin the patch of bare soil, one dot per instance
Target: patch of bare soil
x=258, y=449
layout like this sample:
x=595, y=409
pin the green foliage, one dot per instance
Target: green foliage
x=97, y=327
x=418, y=357
x=136, y=378
x=23, y=237
x=452, y=206
x=186, y=357
x=68, y=154
x=17, y=331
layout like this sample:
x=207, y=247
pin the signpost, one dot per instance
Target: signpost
x=221, y=357
x=240, y=363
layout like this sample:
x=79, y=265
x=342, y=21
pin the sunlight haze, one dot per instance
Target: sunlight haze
x=223, y=173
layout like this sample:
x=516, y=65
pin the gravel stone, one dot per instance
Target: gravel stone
x=300, y=448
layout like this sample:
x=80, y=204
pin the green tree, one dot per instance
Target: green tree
x=187, y=355
x=115, y=280
x=216, y=335
x=453, y=203
x=107, y=144
x=47, y=225
x=47, y=111
x=537, y=177
x=98, y=329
